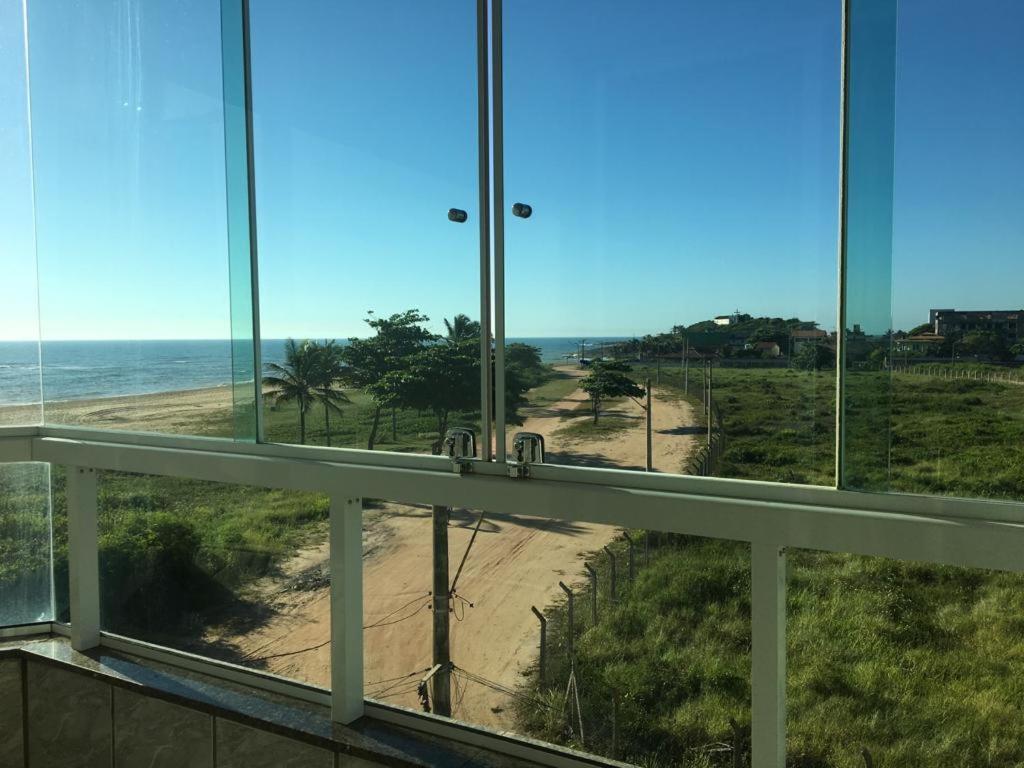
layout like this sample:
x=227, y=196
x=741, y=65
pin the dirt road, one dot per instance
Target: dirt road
x=515, y=562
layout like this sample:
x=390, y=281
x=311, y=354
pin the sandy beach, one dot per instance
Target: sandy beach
x=195, y=411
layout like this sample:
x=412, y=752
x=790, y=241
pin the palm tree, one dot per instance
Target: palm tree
x=461, y=328
x=329, y=371
x=296, y=380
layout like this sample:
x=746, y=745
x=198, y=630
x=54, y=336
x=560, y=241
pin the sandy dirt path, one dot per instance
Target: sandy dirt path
x=515, y=562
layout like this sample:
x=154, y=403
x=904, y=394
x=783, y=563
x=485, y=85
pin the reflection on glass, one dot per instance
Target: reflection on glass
x=20, y=398
x=232, y=572
x=26, y=553
x=650, y=664
x=681, y=165
x=129, y=160
x=935, y=329
x=366, y=150
x=917, y=663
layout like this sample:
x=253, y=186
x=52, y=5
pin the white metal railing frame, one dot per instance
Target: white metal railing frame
x=770, y=517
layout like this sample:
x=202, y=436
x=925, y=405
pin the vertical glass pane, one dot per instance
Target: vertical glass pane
x=917, y=663
x=870, y=103
x=934, y=249
x=20, y=397
x=649, y=665
x=26, y=554
x=234, y=43
x=366, y=150
x=220, y=570
x=129, y=152
x=681, y=164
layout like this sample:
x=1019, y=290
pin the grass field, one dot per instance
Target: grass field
x=923, y=665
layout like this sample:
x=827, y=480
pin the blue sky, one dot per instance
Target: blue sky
x=681, y=163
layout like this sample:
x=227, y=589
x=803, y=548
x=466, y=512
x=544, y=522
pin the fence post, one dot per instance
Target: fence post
x=615, y=725
x=611, y=556
x=632, y=568
x=572, y=620
x=542, y=658
x=593, y=592
x=737, y=744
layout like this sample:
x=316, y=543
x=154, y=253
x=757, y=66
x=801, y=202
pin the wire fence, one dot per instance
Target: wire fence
x=951, y=373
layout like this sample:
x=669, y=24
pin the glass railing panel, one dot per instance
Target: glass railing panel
x=913, y=662
x=20, y=395
x=935, y=327
x=26, y=544
x=128, y=126
x=227, y=571
x=367, y=198
x=650, y=665
x=671, y=183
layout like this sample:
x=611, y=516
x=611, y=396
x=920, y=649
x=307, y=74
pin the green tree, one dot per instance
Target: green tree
x=440, y=378
x=813, y=357
x=609, y=379
x=987, y=344
x=296, y=380
x=396, y=339
x=329, y=370
x=461, y=328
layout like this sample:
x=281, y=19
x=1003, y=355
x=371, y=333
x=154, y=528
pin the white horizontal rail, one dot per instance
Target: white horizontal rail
x=937, y=506
x=905, y=527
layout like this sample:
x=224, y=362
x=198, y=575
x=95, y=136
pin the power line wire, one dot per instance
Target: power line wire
x=465, y=554
x=384, y=621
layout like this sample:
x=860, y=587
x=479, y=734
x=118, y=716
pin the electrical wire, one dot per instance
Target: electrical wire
x=481, y=680
x=384, y=621
x=465, y=554
x=289, y=653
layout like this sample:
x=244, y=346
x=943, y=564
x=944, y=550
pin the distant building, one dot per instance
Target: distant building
x=927, y=344
x=1009, y=324
x=799, y=338
x=723, y=320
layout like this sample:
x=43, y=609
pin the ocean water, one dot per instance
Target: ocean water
x=74, y=370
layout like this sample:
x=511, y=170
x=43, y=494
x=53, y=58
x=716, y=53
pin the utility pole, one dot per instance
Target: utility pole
x=441, y=681
x=650, y=455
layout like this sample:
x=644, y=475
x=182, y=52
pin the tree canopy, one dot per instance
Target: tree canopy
x=609, y=379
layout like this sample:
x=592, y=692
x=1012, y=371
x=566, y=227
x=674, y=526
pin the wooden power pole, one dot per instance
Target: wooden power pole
x=442, y=656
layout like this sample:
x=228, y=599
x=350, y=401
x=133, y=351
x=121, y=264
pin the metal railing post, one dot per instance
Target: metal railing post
x=346, y=608
x=768, y=654
x=83, y=558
